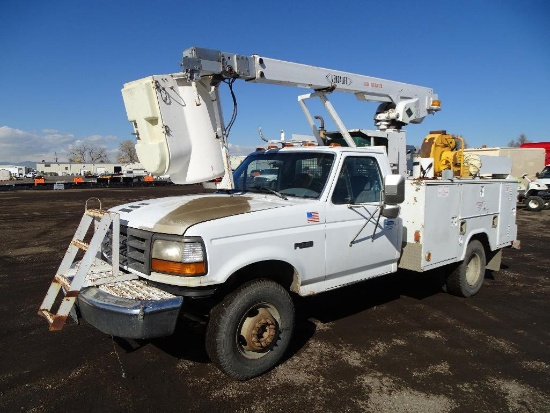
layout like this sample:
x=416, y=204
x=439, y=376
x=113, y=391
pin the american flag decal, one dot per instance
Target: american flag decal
x=312, y=216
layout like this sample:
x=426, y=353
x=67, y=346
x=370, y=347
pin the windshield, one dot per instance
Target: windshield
x=545, y=173
x=296, y=174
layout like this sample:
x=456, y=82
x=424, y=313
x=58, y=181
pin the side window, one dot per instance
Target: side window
x=359, y=181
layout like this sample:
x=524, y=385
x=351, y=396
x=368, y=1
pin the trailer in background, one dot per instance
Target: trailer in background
x=528, y=161
x=544, y=145
x=5, y=175
x=14, y=170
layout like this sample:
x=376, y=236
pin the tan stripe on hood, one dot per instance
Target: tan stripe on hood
x=200, y=210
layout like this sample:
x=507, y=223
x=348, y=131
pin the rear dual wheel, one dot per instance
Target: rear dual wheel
x=466, y=279
x=249, y=331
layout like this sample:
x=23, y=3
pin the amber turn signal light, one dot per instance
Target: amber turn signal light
x=179, y=268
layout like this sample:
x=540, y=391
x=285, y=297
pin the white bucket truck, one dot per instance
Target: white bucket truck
x=295, y=218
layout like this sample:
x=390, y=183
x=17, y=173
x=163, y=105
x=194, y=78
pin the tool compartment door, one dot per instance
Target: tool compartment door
x=441, y=232
x=430, y=224
x=507, y=228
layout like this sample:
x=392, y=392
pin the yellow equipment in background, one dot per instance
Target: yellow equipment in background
x=442, y=148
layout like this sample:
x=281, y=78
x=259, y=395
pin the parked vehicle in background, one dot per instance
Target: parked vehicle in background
x=5, y=175
x=544, y=175
x=537, y=194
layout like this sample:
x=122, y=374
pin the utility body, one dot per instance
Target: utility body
x=295, y=218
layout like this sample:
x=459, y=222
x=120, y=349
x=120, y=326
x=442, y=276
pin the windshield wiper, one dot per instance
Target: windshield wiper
x=272, y=191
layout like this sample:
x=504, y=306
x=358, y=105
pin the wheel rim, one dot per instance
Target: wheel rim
x=533, y=204
x=473, y=270
x=258, y=331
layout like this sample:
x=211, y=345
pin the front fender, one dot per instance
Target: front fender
x=254, y=255
x=302, y=248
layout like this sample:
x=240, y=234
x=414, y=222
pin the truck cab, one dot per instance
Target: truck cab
x=316, y=203
x=327, y=217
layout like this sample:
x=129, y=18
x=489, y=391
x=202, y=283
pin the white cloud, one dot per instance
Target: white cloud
x=240, y=149
x=17, y=145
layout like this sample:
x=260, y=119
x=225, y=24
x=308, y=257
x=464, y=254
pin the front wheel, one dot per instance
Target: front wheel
x=249, y=331
x=467, y=277
x=534, y=203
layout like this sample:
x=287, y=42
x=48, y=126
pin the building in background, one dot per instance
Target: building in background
x=83, y=169
x=67, y=169
x=235, y=161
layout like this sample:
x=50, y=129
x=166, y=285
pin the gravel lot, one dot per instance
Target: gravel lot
x=394, y=344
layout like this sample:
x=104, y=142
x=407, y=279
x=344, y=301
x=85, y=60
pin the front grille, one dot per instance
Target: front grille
x=134, y=249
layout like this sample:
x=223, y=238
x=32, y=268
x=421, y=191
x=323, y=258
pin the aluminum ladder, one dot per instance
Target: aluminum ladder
x=91, y=270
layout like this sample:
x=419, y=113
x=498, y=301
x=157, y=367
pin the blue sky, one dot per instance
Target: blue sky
x=63, y=63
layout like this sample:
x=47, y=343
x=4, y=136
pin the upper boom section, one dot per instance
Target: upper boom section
x=403, y=103
x=178, y=119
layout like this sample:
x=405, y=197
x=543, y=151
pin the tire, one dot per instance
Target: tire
x=546, y=204
x=250, y=330
x=466, y=279
x=534, y=203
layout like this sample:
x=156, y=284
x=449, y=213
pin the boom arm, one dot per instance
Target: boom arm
x=404, y=103
x=179, y=125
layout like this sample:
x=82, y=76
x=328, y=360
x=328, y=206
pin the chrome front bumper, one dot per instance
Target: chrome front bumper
x=130, y=309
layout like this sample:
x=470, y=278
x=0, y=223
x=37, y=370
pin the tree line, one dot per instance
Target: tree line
x=89, y=153
x=516, y=143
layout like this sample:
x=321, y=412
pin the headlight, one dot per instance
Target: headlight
x=178, y=257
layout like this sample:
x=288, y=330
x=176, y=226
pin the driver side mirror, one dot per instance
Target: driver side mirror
x=394, y=189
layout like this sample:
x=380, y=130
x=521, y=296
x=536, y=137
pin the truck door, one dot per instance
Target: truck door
x=356, y=246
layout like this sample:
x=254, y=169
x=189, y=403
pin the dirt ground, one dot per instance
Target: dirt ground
x=395, y=344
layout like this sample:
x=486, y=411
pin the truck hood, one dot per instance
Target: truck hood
x=174, y=215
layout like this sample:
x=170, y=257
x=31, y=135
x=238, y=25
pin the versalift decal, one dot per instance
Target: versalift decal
x=338, y=79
